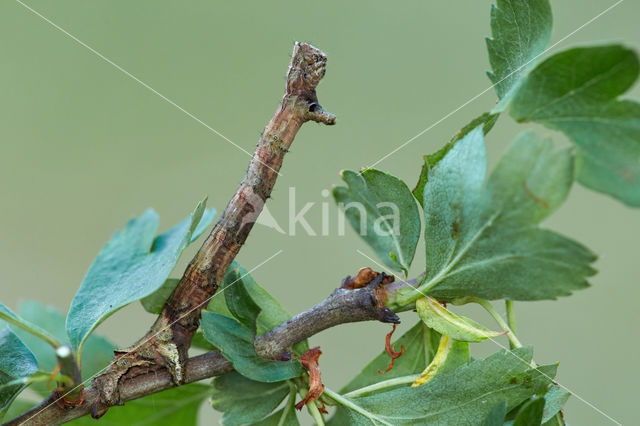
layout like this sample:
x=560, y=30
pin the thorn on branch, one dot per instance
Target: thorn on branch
x=392, y=353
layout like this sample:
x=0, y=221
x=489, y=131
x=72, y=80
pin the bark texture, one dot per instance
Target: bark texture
x=344, y=305
x=166, y=345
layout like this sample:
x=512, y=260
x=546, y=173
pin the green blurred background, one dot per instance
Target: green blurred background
x=83, y=147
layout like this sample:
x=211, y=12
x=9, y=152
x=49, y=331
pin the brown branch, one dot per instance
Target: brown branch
x=166, y=344
x=198, y=368
x=342, y=306
x=159, y=361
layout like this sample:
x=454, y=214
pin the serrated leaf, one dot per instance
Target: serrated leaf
x=460, y=396
x=16, y=362
x=457, y=327
x=245, y=401
x=484, y=240
x=530, y=414
x=521, y=30
x=236, y=344
x=413, y=361
x=176, y=406
x=97, y=354
x=132, y=265
x=381, y=209
x=451, y=355
x=486, y=120
x=576, y=92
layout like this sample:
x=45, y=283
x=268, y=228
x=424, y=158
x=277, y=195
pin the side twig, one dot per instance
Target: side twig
x=342, y=306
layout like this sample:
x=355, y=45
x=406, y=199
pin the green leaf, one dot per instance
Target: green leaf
x=236, y=343
x=244, y=401
x=382, y=210
x=439, y=318
x=176, y=406
x=576, y=92
x=271, y=312
x=465, y=395
x=199, y=341
x=531, y=413
x=284, y=417
x=487, y=120
x=7, y=315
x=555, y=398
x=451, y=355
x=16, y=362
x=496, y=415
x=242, y=306
x=154, y=302
x=421, y=345
x=97, y=354
x=557, y=420
x=521, y=30
x=413, y=361
x=483, y=240
x=132, y=265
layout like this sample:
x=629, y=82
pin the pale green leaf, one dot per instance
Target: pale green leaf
x=132, y=265
x=576, y=92
x=382, y=210
x=244, y=401
x=439, y=318
x=16, y=362
x=451, y=355
x=521, y=30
